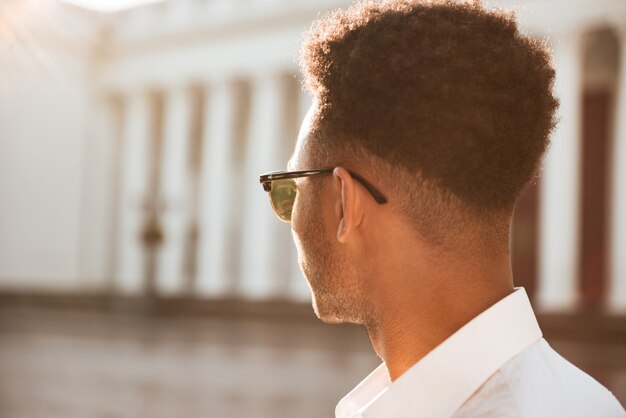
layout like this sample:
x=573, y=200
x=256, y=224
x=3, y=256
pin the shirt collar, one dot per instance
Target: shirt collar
x=438, y=384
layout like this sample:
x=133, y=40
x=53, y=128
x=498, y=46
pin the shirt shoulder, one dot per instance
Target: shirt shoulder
x=539, y=383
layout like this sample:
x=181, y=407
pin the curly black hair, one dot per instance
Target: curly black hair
x=450, y=91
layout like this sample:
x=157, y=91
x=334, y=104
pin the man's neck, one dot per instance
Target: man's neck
x=416, y=320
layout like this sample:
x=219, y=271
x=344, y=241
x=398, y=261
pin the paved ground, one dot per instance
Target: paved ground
x=95, y=365
x=106, y=363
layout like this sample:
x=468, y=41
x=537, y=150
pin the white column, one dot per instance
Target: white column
x=560, y=186
x=99, y=194
x=617, y=268
x=174, y=190
x=216, y=191
x=299, y=289
x=133, y=184
x=266, y=267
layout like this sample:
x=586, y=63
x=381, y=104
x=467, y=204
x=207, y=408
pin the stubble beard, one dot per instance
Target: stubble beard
x=337, y=295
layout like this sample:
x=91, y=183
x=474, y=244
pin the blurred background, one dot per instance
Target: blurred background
x=142, y=271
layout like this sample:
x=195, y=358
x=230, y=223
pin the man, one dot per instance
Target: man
x=429, y=118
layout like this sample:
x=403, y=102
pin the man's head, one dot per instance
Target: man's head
x=445, y=107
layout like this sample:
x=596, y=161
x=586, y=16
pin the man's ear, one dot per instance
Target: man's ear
x=348, y=206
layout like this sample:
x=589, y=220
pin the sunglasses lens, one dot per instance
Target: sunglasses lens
x=282, y=196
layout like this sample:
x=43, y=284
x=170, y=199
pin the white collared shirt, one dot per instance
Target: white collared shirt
x=496, y=365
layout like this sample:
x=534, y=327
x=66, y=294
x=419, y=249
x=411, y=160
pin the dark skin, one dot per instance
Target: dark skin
x=415, y=294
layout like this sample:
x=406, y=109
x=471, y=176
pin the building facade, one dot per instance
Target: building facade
x=131, y=144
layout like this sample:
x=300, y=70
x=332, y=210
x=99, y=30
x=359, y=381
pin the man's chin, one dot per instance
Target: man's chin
x=327, y=318
x=334, y=314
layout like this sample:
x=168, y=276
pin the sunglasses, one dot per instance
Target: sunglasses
x=281, y=188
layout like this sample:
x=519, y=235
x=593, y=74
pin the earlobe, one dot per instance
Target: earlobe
x=342, y=233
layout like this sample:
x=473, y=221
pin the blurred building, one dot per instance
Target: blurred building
x=131, y=144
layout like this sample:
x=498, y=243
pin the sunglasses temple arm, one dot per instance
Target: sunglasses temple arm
x=370, y=188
